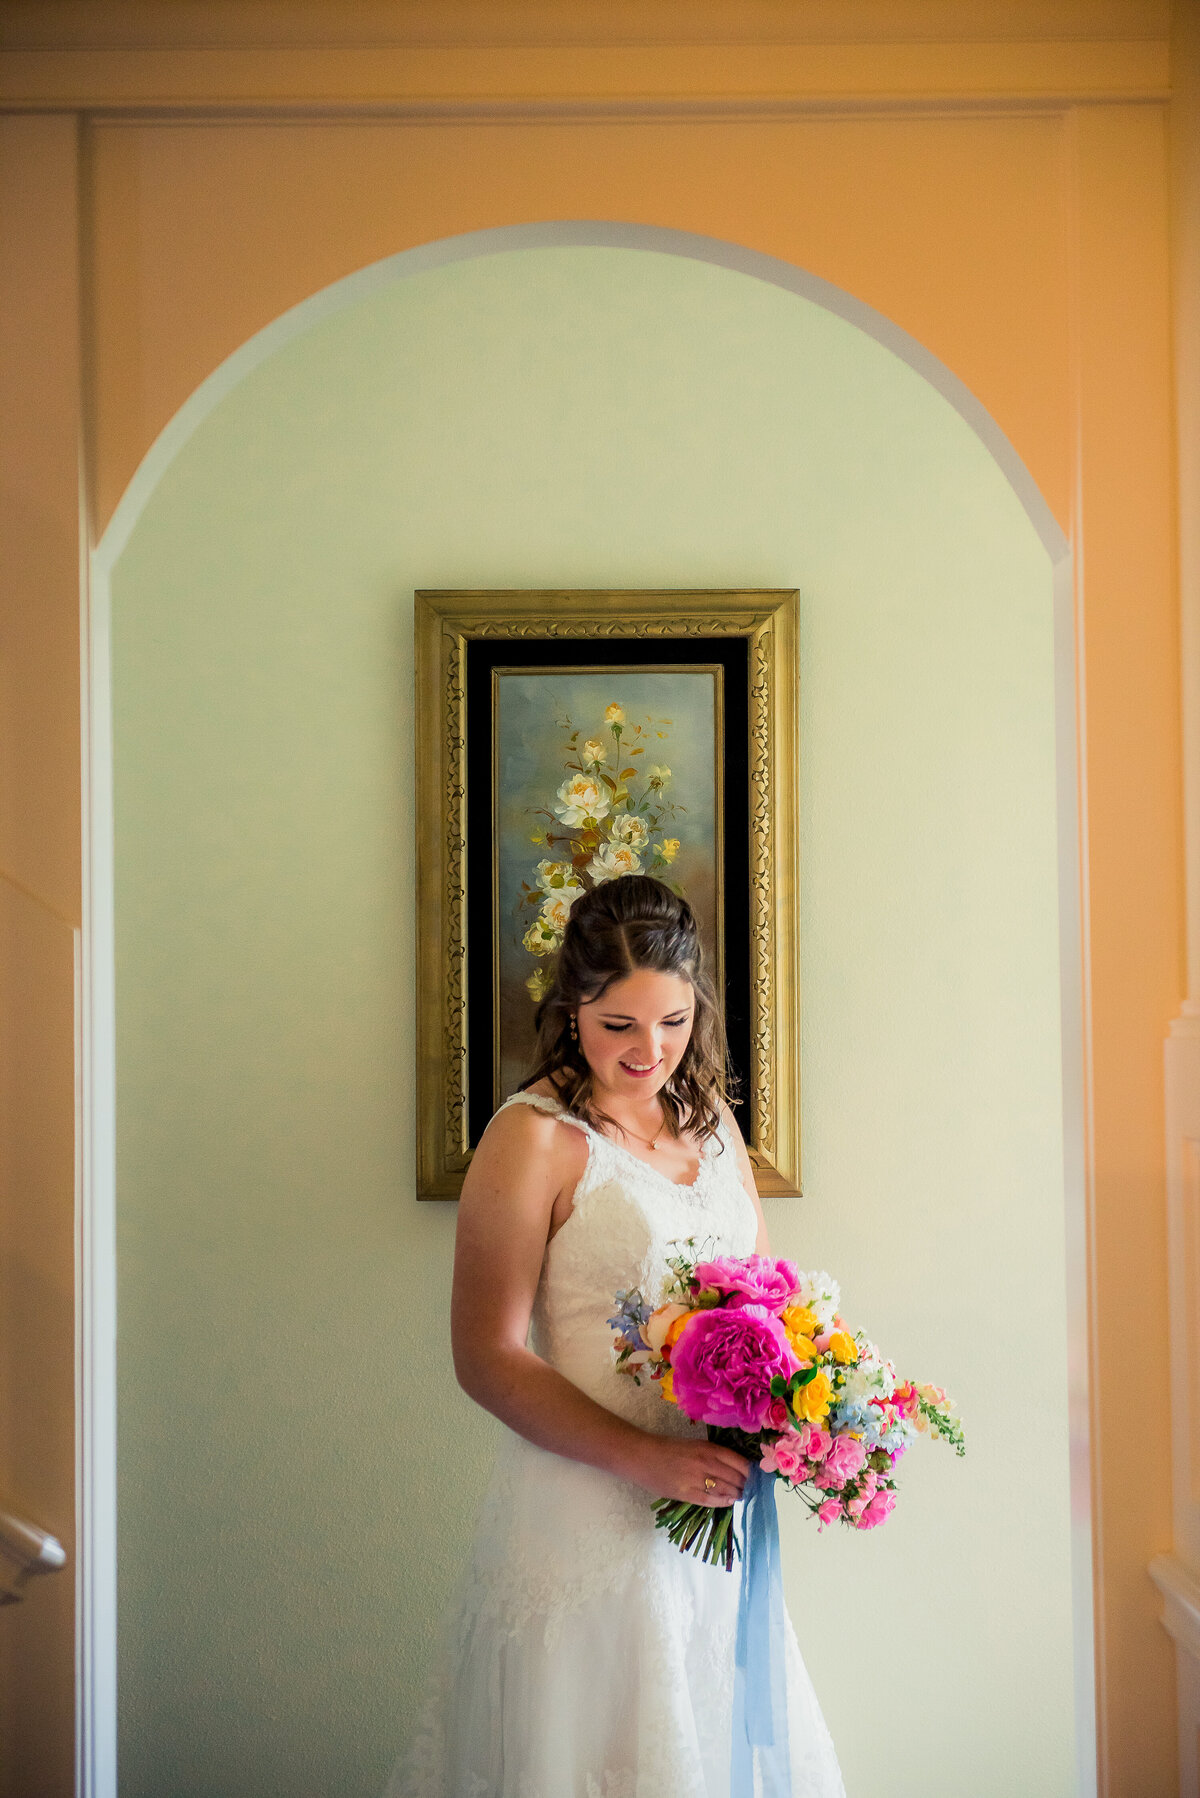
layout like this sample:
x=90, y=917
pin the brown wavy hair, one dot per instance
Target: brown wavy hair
x=620, y=927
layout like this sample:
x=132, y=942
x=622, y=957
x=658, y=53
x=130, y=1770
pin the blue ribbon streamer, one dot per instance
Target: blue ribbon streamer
x=759, y=1681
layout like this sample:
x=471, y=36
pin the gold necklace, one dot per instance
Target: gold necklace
x=651, y=1143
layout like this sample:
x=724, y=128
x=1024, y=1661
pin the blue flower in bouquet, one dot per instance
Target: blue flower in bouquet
x=877, y=1427
x=632, y=1313
x=860, y=1418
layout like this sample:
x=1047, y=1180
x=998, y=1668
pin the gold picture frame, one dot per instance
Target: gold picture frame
x=457, y=633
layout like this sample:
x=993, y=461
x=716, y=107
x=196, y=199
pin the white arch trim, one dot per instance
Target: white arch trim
x=96, y=1606
x=563, y=234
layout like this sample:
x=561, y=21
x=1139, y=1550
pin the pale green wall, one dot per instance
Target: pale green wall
x=297, y=1468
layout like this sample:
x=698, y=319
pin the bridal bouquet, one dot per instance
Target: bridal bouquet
x=761, y=1354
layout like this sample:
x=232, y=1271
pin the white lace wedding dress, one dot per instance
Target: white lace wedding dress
x=585, y=1656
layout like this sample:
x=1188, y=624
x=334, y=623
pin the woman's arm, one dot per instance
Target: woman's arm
x=508, y=1196
x=762, y=1245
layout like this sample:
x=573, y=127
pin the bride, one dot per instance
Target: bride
x=586, y=1657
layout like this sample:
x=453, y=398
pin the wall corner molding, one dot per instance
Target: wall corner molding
x=1180, y=1589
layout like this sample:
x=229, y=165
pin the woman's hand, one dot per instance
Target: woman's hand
x=678, y=1466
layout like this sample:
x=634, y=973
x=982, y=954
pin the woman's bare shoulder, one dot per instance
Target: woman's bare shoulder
x=518, y=1132
x=730, y=1122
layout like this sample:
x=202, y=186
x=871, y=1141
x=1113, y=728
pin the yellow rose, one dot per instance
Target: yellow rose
x=844, y=1347
x=614, y=714
x=667, y=1386
x=803, y=1349
x=800, y=1320
x=811, y=1403
x=669, y=848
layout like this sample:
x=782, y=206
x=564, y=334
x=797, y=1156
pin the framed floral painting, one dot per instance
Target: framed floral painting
x=565, y=739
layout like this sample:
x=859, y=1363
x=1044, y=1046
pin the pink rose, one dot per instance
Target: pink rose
x=880, y=1507
x=817, y=1442
x=845, y=1459
x=863, y=1495
x=829, y=1512
x=822, y=1341
x=756, y=1280
x=786, y=1456
x=777, y=1415
x=724, y=1363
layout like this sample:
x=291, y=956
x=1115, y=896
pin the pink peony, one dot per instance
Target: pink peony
x=829, y=1512
x=880, y=1507
x=817, y=1442
x=756, y=1280
x=724, y=1363
x=845, y=1459
x=786, y=1456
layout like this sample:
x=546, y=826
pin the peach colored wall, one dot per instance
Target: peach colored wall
x=39, y=910
x=952, y=227
x=1024, y=241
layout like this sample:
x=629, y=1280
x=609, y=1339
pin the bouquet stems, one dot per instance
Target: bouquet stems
x=700, y=1530
x=706, y=1530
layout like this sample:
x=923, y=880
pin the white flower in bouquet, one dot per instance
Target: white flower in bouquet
x=613, y=859
x=594, y=752
x=821, y=1294
x=871, y=1376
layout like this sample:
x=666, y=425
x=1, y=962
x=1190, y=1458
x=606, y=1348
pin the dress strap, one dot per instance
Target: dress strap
x=552, y=1107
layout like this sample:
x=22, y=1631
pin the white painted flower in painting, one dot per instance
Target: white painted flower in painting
x=608, y=819
x=553, y=877
x=538, y=984
x=557, y=909
x=581, y=798
x=612, y=859
x=540, y=938
x=628, y=828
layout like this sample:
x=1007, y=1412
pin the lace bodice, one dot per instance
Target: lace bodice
x=626, y=1219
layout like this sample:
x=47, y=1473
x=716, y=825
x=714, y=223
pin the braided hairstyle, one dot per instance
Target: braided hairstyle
x=620, y=927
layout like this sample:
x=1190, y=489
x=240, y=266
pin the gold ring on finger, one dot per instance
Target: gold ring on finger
x=710, y=1485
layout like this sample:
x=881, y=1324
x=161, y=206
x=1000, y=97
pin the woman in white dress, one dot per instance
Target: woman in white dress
x=586, y=1657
